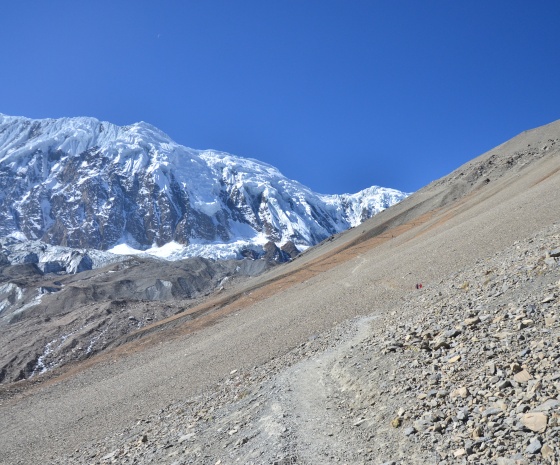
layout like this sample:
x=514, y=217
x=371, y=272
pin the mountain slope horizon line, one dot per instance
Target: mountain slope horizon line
x=81, y=182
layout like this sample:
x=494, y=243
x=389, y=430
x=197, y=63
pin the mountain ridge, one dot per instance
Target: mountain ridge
x=80, y=182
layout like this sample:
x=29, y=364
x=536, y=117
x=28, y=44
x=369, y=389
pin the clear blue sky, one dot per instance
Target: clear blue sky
x=339, y=95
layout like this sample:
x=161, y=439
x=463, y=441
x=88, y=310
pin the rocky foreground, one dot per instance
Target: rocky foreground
x=466, y=371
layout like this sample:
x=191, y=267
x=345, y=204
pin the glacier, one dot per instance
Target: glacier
x=89, y=184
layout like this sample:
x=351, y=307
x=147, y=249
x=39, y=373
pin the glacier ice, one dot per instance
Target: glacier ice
x=83, y=183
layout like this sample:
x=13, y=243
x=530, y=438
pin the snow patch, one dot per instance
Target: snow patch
x=17, y=235
x=124, y=249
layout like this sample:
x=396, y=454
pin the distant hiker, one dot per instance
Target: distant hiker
x=419, y=286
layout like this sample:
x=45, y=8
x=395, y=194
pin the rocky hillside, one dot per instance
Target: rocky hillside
x=466, y=372
x=49, y=320
x=428, y=334
x=82, y=183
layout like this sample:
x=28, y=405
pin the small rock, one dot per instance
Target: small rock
x=554, y=253
x=547, y=451
x=463, y=414
x=522, y=377
x=440, y=343
x=454, y=359
x=549, y=298
x=503, y=384
x=409, y=431
x=477, y=432
x=491, y=411
x=396, y=422
x=535, y=421
x=422, y=424
x=547, y=405
x=460, y=392
x=472, y=321
x=534, y=446
x=452, y=333
x=524, y=352
x=459, y=453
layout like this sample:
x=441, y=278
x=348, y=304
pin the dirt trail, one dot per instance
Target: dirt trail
x=308, y=399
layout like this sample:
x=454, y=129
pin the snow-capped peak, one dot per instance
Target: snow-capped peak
x=81, y=182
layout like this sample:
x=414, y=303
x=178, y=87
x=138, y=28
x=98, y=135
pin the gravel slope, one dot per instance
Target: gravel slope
x=449, y=226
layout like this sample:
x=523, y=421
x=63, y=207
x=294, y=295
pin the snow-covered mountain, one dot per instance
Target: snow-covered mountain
x=82, y=183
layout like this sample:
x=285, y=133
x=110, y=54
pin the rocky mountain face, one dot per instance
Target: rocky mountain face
x=50, y=316
x=82, y=183
x=72, y=188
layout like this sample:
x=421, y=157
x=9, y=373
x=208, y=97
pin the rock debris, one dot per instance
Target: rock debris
x=465, y=371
